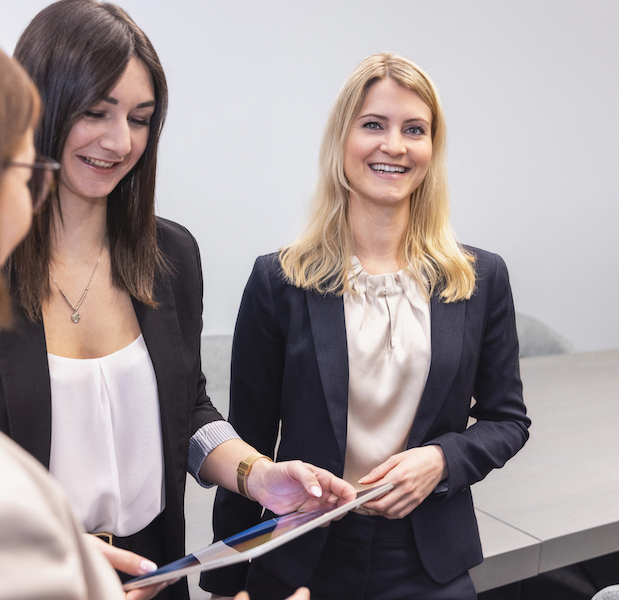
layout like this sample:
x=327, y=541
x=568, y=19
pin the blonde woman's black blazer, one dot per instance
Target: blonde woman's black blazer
x=172, y=334
x=290, y=364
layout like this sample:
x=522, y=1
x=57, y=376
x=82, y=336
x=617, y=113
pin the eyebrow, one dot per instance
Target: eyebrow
x=147, y=104
x=375, y=116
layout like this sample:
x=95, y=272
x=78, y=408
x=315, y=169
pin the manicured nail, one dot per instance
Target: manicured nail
x=147, y=566
x=316, y=491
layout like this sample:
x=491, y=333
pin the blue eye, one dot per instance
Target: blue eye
x=372, y=125
x=416, y=130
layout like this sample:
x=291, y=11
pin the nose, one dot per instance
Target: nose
x=393, y=143
x=117, y=138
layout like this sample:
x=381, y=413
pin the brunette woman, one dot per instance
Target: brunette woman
x=44, y=552
x=101, y=378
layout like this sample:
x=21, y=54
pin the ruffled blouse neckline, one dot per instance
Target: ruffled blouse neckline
x=372, y=287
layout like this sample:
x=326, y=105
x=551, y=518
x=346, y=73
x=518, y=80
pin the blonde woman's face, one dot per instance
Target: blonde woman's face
x=389, y=147
x=15, y=199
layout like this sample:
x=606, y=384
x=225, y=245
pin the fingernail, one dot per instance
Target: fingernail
x=316, y=491
x=147, y=566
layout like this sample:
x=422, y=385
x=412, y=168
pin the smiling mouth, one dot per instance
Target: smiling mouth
x=381, y=168
x=97, y=163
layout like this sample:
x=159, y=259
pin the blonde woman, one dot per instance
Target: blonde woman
x=370, y=341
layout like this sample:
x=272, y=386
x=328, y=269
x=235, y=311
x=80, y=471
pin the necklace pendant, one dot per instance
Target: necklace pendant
x=75, y=317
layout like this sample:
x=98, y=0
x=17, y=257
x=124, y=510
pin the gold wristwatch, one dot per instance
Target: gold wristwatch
x=243, y=470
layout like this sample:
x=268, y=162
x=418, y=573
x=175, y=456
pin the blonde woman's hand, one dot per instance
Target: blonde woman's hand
x=414, y=473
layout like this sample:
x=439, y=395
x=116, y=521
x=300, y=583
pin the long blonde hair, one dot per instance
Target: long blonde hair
x=319, y=259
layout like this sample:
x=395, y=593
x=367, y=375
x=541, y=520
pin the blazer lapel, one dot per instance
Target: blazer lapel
x=447, y=337
x=161, y=331
x=329, y=334
x=25, y=379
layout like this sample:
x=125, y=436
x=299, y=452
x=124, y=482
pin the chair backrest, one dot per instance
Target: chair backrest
x=608, y=593
x=537, y=339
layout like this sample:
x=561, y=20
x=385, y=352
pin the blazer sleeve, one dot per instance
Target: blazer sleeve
x=204, y=411
x=501, y=425
x=184, y=273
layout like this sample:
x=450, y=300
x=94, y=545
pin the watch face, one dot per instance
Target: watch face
x=245, y=465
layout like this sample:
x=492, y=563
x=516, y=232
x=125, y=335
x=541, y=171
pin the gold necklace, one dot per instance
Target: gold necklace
x=75, y=317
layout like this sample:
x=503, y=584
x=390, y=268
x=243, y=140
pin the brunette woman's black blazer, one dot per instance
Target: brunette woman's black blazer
x=172, y=334
x=290, y=363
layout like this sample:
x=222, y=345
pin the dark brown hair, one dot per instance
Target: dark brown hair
x=76, y=51
x=19, y=110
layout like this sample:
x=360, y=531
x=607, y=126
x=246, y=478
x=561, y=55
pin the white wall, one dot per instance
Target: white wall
x=530, y=89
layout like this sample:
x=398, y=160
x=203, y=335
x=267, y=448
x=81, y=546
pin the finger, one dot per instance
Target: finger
x=339, y=488
x=394, y=507
x=377, y=473
x=389, y=500
x=300, y=594
x=382, y=504
x=146, y=593
x=306, y=477
x=124, y=560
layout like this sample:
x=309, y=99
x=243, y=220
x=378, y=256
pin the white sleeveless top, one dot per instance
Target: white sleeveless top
x=389, y=350
x=106, y=446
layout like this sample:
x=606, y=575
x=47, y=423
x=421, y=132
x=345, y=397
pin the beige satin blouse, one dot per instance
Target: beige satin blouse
x=388, y=335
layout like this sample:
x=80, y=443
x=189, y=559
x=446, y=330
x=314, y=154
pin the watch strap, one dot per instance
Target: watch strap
x=243, y=470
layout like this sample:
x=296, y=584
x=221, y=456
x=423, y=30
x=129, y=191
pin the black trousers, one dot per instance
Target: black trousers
x=150, y=543
x=373, y=558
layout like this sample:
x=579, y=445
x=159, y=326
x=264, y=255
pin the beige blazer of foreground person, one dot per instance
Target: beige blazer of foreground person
x=41, y=540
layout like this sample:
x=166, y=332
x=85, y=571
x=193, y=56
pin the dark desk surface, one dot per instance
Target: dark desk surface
x=557, y=501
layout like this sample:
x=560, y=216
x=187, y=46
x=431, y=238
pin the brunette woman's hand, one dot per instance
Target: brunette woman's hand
x=300, y=594
x=281, y=487
x=414, y=473
x=132, y=564
x=287, y=486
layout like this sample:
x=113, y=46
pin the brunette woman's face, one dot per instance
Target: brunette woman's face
x=15, y=199
x=109, y=139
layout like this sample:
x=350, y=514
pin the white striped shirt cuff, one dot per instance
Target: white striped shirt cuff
x=207, y=438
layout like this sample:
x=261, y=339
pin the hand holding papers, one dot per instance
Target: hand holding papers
x=257, y=540
x=287, y=486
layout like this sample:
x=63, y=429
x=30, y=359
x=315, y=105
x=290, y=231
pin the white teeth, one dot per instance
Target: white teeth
x=387, y=168
x=98, y=163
